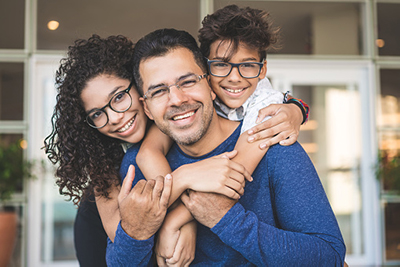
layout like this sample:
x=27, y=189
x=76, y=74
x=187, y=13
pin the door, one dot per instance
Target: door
x=339, y=138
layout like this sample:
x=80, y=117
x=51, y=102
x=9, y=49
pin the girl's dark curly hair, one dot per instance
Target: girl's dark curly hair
x=232, y=23
x=88, y=160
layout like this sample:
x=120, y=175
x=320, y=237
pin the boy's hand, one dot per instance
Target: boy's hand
x=217, y=174
x=283, y=127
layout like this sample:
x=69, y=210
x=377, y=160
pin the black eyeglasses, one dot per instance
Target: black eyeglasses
x=120, y=102
x=160, y=94
x=247, y=70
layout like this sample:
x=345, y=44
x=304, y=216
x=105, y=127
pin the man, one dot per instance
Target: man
x=284, y=217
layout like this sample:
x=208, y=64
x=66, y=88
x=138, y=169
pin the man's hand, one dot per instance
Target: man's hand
x=207, y=208
x=143, y=207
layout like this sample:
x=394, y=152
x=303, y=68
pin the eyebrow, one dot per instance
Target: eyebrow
x=110, y=95
x=252, y=59
x=152, y=87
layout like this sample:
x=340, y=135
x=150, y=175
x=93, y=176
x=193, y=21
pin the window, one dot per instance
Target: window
x=80, y=19
x=12, y=20
x=313, y=28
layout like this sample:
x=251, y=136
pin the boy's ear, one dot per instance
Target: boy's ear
x=145, y=108
x=263, y=71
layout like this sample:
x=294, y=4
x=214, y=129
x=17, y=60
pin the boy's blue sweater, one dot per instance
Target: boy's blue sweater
x=283, y=219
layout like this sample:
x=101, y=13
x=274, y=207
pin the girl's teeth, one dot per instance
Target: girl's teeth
x=183, y=116
x=234, y=91
x=127, y=126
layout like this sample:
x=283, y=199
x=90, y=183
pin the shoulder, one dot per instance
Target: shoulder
x=293, y=156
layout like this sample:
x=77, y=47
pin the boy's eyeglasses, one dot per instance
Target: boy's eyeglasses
x=120, y=102
x=247, y=70
x=160, y=94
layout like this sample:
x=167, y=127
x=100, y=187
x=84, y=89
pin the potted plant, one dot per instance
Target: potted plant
x=388, y=171
x=13, y=170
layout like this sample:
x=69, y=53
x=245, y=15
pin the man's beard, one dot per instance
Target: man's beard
x=191, y=138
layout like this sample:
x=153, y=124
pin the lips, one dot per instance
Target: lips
x=127, y=125
x=183, y=116
x=234, y=91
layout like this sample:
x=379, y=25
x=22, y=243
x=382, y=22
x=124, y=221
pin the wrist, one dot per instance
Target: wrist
x=181, y=178
x=134, y=233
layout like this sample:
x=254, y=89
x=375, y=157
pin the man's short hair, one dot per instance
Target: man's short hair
x=239, y=25
x=159, y=43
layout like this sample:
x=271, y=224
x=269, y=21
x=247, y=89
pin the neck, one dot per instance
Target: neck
x=218, y=131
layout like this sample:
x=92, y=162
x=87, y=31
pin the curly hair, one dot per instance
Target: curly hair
x=88, y=160
x=239, y=25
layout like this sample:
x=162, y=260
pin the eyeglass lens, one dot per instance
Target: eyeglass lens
x=120, y=102
x=246, y=70
x=161, y=93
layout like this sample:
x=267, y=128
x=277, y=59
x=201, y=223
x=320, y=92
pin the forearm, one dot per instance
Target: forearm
x=263, y=244
x=126, y=251
x=109, y=211
x=178, y=217
x=249, y=154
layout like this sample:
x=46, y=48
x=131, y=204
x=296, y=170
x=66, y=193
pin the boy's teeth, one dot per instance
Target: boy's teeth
x=234, y=91
x=183, y=116
x=127, y=126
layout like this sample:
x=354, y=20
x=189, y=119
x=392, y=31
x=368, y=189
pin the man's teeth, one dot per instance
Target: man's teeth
x=184, y=116
x=127, y=126
x=233, y=90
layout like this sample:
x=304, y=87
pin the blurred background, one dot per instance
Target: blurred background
x=341, y=57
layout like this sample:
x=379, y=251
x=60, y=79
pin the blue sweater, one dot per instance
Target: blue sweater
x=283, y=219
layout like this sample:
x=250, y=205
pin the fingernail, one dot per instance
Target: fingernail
x=258, y=120
x=250, y=131
x=251, y=179
x=250, y=139
x=168, y=176
x=262, y=146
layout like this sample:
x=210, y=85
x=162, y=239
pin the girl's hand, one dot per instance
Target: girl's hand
x=218, y=174
x=186, y=246
x=283, y=127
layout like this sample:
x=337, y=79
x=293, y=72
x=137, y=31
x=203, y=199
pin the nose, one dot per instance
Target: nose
x=114, y=117
x=177, y=96
x=234, y=76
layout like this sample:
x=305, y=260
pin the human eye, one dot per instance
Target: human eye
x=249, y=65
x=118, y=97
x=96, y=115
x=159, y=92
x=188, y=82
x=220, y=64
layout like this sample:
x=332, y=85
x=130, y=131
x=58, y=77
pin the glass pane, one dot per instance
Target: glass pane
x=336, y=152
x=11, y=91
x=327, y=28
x=12, y=21
x=392, y=231
x=390, y=98
x=57, y=224
x=388, y=29
x=80, y=19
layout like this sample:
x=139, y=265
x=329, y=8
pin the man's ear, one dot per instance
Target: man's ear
x=213, y=95
x=263, y=71
x=146, y=108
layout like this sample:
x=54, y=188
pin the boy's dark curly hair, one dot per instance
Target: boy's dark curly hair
x=88, y=160
x=239, y=25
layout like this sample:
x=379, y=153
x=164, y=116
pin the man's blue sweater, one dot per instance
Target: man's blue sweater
x=283, y=219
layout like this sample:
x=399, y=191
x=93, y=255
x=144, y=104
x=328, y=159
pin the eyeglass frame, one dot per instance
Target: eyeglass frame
x=109, y=105
x=235, y=65
x=199, y=77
